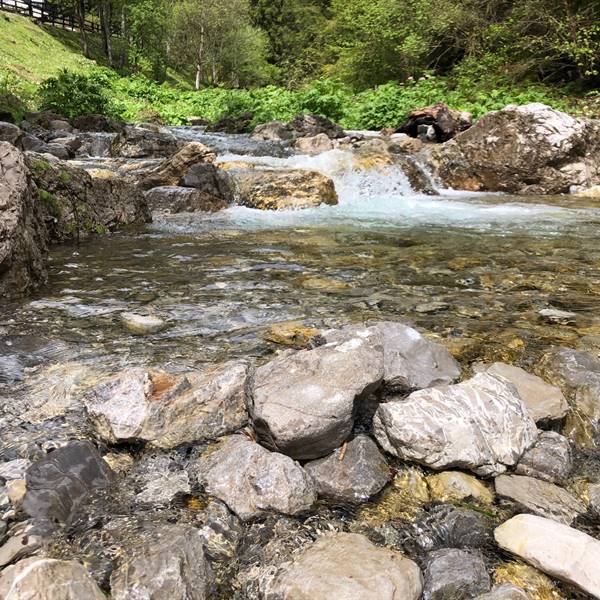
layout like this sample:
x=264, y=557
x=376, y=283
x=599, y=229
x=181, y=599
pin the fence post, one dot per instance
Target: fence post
x=30, y=7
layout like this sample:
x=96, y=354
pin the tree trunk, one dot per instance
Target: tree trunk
x=123, y=38
x=105, y=26
x=200, y=58
x=80, y=13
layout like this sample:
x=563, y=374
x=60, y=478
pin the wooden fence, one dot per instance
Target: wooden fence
x=47, y=12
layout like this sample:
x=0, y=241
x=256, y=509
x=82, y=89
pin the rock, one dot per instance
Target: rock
x=97, y=124
x=142, y=324
x=275, y=189
x=59, y=125
x=176, y=199
x=561, y=317
x=48, y=579
x=273, y=130
x=233, y=125
x=593, y=493
x=61, y=485
x=352, y=473
x=549, y=459
x=558, y=550
x=211, y=180
x=197, y=121
x=71, y=142
x=452, y=574
x=168, y=563
x=292, y=333
x=446, y=123
x=305, y=125
x=31, y=143
x=172, y=170
x=222, y=531
x=58, y=150
x=303, y=404
x=16, y=489
x=531, y=149
x=506, y=591
x=591, y=192
x=9, y=133
x=170, y=410
x=161, y=480
x=480, y=425
x=520, y=574
x=544, y=402
x=251, y=480
x=142, y=142
x=540, y=497
x=314, y=144
x=346, y=566
x=22, y=543
x=413, y=362
x=23, y=236
x=404, y=144
x=456, y=486
x=14, y=469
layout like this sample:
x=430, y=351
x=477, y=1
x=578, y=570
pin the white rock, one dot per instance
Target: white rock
x=142, y=324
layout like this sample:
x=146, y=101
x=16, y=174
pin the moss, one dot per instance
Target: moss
x=42, y=166
x=91, y=227
x=51, y=202
x=64, y=177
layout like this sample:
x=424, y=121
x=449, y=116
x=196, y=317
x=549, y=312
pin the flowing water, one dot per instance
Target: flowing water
x=471, y=270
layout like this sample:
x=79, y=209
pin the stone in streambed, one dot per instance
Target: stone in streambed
x=540, y=497
x=549, y=459
x=142, y=324
x=556, y=549
x=303, y=403
x=346, y=566
x=251, y=480
x=480, y=425
x=148, y=141
x=506, y=591
x=456, y=486
x=352, y=473
x=177, y=199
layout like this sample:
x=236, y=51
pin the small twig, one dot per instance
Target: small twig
x=342, y=453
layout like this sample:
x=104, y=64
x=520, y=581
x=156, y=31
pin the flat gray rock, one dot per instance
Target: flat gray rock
x=346, y=566
x=353, y=474
x=303, y=403
x=480, y=425
x=168, y=563
x=452, y=574
x=540, y=497
x=549, y=459
x=556, y=549
x=252, y=480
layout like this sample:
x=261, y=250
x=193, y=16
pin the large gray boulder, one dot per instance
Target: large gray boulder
x=549, y=459
x=166, y=563
x=352, y=473
x=9, y=132
x=48, y=579
x=346, y=566
x=303, y=404
x=23, y=236
x=177, y=199
x=149, y=141
x=251, y=480
x=531, y=149
x=556, y=549
x=540, y=497
x=169, y=410
x=304, y=125
x=480, y=425
x=273, y=130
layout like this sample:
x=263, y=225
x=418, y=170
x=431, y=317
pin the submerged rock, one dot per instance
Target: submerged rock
x=452, y=574
x=506, y=591
x=251, y=480
x=456, y=486
x=531, y=149
x=170, y=410
x=346, y=566
x=142, y=324
x=48, y=579
x=177, y=199
x=549, y=459
x=480, y=425
x=168, y=563
x=352, y=473
x=556, y=549
x=303, y=403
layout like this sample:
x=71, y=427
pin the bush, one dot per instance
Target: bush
x=16, y=95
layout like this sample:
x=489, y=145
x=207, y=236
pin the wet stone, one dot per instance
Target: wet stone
x=549, y=459
x=22, y=543
x=456, y=486
x=594, y=500
x=452, y=574
x=506, y=591
x=540, y=497
x=352, y=473
x=160, y=480
x=222, y=531
x=142, y=324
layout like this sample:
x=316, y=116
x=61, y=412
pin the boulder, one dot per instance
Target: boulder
x=435, y=123
x=307, y=125
x=142, y=324
x=556, y=549
x=22, y=542
x=273, y=130
x=401, y=143
x=61, y=485
x=251, y=480
x=59, y=125
x=159, y=479
x=480, y=425
x=549, y=459
x=544, y=402
x=57, y=150
x=455, y=574
x=531, y=149
x=31, y=143
x=540, y=497
x=277, y=189
x=97, y=124
x=48, y=579
x=593, y=493
x=177, y=199
x=314, y=144
x=151, y=141
x=506, y=591
x=172, y=170
x=210, y=180
x=166, y=563
x=352, y=473
x=303, y=404
x=23, y=236
x=170, y=410
x=222, y=531
x=232, y=125
x=456, y=486
x=346, y=566
x=10, y=133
